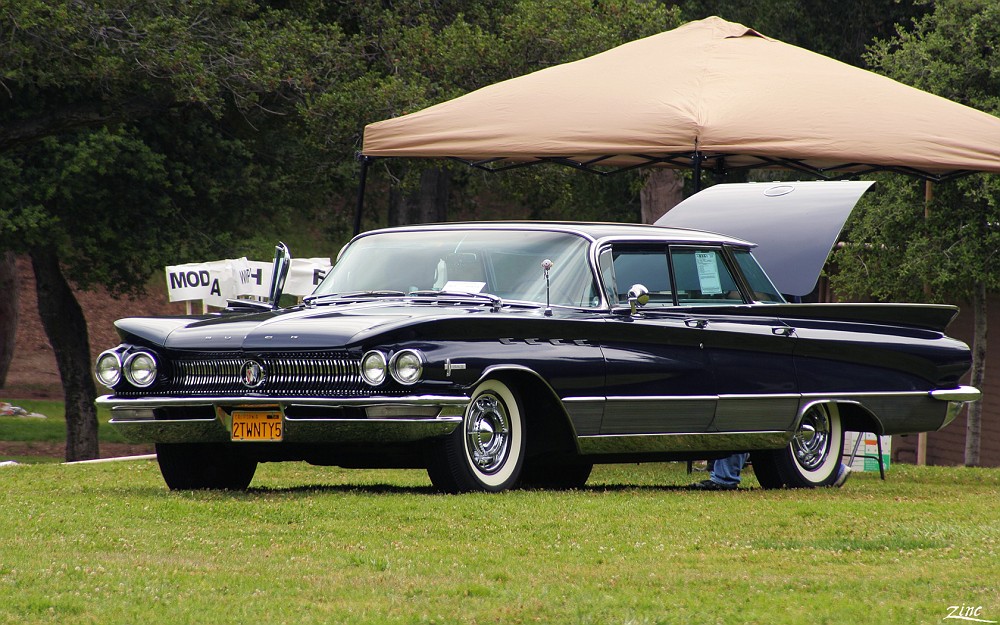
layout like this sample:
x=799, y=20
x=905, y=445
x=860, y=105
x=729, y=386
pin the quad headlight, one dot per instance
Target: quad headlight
x=373, y=367
x=140, y=369
x=407, y=366
x=108, y=368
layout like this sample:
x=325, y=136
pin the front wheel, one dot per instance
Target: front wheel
x=811, y=459
x=197, y=466
x=486, y=452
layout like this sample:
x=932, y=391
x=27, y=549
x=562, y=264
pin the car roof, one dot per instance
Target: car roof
x=594, y=231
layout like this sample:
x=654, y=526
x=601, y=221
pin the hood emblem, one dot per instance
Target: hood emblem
x=252, y=373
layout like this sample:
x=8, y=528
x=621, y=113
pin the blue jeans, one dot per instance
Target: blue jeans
x=727, y=470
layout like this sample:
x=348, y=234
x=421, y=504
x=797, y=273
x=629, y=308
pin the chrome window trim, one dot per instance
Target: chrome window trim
x=600, y=444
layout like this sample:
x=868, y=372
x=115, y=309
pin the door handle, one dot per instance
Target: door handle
x=783, y=331
x=696, y=323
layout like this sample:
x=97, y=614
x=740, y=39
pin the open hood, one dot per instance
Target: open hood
x=794, y=224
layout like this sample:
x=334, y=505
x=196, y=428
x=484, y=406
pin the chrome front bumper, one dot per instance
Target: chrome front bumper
x=386, y=420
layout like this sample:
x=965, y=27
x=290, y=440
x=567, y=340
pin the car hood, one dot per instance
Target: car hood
x=794, y=224
x=309, y=328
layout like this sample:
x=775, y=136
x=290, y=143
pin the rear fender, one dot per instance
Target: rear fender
x=854, y=417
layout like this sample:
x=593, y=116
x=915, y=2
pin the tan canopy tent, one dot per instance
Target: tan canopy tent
x=710, y=94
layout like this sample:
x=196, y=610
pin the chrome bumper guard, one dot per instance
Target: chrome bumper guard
x=387, y=419
x=956, y=398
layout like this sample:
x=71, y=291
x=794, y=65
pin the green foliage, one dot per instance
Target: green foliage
x=416, y=54
x=841, y=30
x=902, y=248
x=895, y=250
x=134, y=135
x=951, y=51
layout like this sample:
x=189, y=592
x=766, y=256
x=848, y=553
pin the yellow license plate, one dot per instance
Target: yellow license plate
x=257, y=426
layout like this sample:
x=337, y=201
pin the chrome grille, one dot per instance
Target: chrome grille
x=284, y=374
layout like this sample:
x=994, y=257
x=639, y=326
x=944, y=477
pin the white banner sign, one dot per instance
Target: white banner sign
x=211, y=282
x=217, y=281
x=305, y=274
x=253, y=277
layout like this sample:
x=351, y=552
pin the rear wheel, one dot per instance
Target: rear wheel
x=197, y=466
x=486, y=452
x=811, y=459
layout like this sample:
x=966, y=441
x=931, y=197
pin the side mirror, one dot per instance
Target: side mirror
x=279, y=271
x=638, y=295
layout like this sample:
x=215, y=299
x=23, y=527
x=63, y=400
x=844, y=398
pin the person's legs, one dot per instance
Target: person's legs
x=727, y=470
x=724, y=473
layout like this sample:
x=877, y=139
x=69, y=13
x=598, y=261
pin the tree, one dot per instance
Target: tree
x=413, y=54
x=8, y=312
x=945, y=248
x=841, y=30
x=133, y=134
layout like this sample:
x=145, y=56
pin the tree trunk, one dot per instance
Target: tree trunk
x=663, y=190
x=9, y=297
x=974, y=418
x=66, y=329
x=428, y=203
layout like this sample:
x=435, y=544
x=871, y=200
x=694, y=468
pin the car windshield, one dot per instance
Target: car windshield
x=505, y=263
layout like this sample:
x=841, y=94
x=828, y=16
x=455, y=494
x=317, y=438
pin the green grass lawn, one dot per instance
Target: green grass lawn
x=107, y=543
x=42, y=433
x=53, y=427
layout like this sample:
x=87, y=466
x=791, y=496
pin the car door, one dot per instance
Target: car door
x=748, y=351
x=658, y=376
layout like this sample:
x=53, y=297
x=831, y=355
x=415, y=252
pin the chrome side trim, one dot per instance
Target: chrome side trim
x=863, y=394
x=762, y=396
x=630, y=398
x=659, y=443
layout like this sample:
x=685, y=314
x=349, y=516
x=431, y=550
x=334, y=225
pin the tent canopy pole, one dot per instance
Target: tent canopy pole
x=359, y=208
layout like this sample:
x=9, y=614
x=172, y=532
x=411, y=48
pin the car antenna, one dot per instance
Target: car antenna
x=546, y=265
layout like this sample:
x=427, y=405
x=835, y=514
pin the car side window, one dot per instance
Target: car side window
x=624, y=267
x=703, y=277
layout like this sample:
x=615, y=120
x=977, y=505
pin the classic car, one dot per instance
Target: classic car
x=522, y=353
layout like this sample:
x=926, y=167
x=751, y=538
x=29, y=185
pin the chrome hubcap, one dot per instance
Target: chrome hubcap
x=811, y=442
x=487, y=431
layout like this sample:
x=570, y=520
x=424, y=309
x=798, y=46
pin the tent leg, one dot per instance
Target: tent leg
x=365, y=161
x=696, y=166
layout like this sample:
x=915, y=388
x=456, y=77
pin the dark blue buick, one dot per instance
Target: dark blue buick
x=522, y=353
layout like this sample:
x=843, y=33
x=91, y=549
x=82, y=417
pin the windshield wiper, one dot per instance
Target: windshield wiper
x=352, y=295
x=495, y=302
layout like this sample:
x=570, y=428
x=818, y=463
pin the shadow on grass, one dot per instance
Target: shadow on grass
x=396, y=489
x=343, y=489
